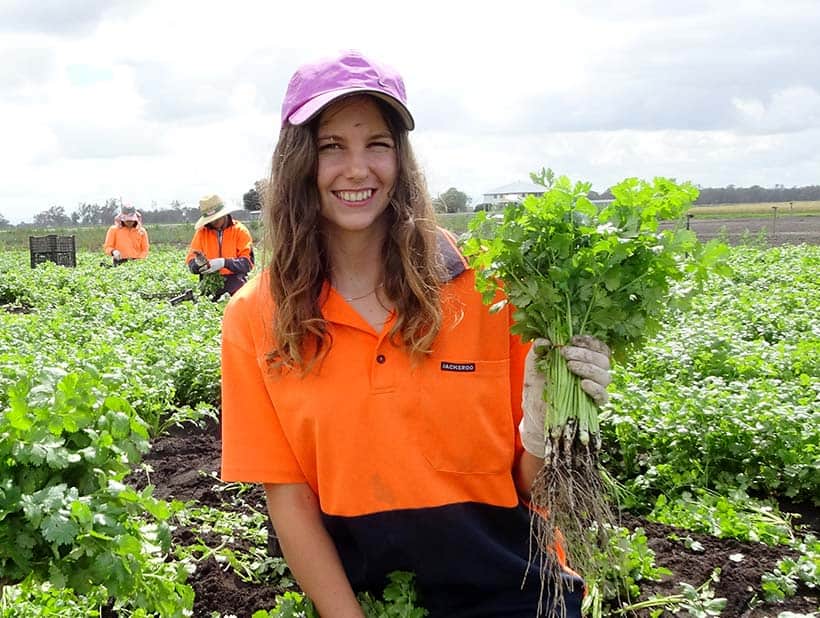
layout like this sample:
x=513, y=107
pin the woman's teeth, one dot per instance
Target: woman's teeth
x=355, y=196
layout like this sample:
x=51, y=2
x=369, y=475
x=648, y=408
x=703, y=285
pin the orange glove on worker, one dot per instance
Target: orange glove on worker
x=587, y=357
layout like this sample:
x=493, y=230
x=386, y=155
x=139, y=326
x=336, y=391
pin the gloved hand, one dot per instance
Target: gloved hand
x=199, y=264
x=217, y=264
x=533, y=405
x=587, y=357
x=116, y=254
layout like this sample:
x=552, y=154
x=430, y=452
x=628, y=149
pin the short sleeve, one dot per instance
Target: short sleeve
x=254, y=446
x=108, y=245
x=145, y=245
x=197, y=244
x=244, y=243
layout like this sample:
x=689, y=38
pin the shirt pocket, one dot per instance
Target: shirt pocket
x=467, y=425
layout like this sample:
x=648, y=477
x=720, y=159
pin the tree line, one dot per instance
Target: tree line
x=103, y=214
x=744, y=195
x=755, y=194
x=450, y=201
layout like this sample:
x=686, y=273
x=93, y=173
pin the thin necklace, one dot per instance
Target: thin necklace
x=352, y=298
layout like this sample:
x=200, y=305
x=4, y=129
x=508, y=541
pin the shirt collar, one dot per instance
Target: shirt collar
x=451, y=258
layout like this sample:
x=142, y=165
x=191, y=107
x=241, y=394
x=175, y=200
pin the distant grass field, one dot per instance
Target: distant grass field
x=757, y=209
x=457, y=222
x=179, y=234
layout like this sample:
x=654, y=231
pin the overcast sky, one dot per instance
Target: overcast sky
x=171, y=100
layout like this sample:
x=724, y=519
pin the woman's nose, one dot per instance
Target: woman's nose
x=356, y=168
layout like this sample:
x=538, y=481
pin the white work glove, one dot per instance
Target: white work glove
x=216, y=265
x=116, y=254
x=587, y=357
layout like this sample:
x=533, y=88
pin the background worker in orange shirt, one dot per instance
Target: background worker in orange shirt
x=220, y=245
x=127, y=239
x=365, y=383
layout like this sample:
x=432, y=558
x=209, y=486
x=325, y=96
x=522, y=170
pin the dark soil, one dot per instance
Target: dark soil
x=183, y=465
x=16, y=308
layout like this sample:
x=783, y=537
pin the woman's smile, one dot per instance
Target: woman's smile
x=355, y=198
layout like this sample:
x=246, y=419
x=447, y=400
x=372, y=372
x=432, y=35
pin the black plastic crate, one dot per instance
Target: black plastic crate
x=52, y=248
x=42, y=244
x=65, y=244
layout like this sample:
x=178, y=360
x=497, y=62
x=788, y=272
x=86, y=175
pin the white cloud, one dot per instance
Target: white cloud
x=24, y=69
x=792, y=109
x=606, y=157
x=58, y=17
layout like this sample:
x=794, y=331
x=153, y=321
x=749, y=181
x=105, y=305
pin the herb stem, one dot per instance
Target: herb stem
x=590, y=305
x=633, y=281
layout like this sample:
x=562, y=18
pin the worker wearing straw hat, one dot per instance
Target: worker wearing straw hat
x=220, y=245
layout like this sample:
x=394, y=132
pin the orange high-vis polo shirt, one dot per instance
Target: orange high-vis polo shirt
x=131, y=242
x=234, y=242
x=412, y=464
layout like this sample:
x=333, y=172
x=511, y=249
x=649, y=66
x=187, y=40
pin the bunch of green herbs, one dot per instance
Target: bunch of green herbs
x=571, y=267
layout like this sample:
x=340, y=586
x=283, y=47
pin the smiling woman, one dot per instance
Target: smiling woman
x=372, y=393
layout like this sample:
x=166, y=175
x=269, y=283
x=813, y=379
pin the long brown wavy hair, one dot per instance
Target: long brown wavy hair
x=299, y=263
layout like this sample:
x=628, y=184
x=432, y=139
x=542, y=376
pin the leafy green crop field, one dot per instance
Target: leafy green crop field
x=713, y=427
x=726, y=398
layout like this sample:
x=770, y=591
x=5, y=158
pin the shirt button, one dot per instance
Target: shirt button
x=380, y=359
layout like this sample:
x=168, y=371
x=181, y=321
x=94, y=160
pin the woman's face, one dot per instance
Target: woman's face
x=357, y=164
x=130, y=223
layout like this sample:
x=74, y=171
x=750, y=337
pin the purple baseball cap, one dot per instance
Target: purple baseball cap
x=314, y=86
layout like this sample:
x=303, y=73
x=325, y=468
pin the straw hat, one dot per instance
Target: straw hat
x=212, y=208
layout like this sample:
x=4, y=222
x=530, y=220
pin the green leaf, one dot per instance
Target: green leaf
x=82, y=513
x=128, y=544
x=59, y=528
x=18, y=413
x=120, y=423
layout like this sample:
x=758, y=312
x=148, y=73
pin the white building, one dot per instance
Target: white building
x=515, y=192
x=512, y=192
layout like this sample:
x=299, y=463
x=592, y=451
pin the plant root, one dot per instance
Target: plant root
x=570, y=515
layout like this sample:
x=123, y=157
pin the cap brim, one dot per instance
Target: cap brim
x=203, y=221
x=309, y=110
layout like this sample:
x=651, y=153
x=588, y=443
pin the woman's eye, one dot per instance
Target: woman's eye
x=381, y=146
x=329, y=146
